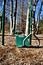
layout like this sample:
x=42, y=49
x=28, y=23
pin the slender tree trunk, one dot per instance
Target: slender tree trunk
x=10, y=17
x=27, y=23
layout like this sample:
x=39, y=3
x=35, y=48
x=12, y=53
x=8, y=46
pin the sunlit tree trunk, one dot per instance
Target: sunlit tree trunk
x=27, y=23
x=10, y=17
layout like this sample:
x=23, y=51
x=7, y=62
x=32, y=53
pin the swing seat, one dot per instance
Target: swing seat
x=19, y=41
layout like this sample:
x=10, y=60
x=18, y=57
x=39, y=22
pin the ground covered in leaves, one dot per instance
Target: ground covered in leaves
x=11, y=55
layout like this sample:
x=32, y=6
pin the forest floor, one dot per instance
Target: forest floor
x=11, y=55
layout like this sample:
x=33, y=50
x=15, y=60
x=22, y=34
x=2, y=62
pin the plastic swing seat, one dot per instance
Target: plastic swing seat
x=19, y=41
